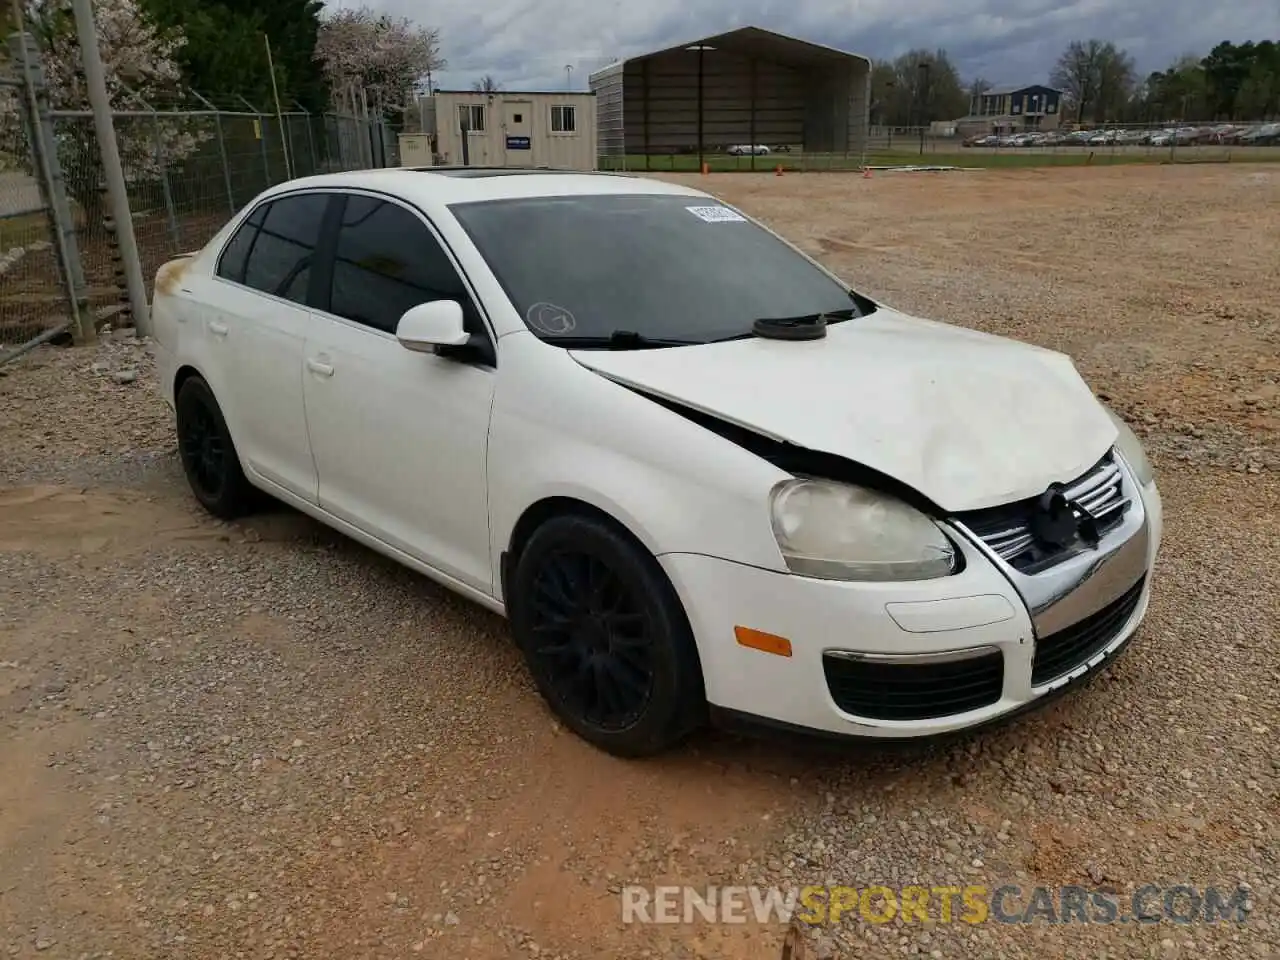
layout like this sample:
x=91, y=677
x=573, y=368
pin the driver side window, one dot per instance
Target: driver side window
x=386, y=261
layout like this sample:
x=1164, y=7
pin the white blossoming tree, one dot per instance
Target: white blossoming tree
x=385, y=56
x=140, y=68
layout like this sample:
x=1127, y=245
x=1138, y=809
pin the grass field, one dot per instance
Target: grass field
x=945, y=154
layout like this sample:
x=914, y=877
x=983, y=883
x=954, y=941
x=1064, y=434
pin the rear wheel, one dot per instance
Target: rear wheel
x=605, y=637
x=208, y=455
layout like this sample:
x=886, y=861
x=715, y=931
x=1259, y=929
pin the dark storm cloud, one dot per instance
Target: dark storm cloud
x=528, y=44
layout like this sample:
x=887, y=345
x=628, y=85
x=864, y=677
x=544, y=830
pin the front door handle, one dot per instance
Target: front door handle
x=218, y=328
x=320, y=367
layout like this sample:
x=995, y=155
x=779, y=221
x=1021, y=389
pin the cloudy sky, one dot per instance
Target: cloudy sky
x=528, y=43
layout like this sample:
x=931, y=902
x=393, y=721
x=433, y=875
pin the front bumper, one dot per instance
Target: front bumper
x=951, y=633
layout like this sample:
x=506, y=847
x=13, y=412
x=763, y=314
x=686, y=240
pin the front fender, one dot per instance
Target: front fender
x=560, y=430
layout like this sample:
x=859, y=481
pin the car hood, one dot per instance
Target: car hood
x=967, y=419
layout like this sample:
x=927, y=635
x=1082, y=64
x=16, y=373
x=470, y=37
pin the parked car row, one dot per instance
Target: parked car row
x=735, y=149
x=1266, y=134
x=757, y=149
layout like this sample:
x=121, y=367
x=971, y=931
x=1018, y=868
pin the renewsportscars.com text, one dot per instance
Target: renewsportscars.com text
x=1009, y=903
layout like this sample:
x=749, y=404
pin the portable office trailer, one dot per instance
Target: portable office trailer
x=515, y=129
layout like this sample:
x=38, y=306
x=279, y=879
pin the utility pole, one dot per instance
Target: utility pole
x=96, y=82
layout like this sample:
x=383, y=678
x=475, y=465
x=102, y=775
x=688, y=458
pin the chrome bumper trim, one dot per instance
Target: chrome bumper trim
x=936, y=656
x=1087, y=581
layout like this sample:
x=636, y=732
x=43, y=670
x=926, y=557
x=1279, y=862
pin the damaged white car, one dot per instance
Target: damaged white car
x=702, y=477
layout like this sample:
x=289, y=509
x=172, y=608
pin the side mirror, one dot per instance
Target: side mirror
x=428, y=326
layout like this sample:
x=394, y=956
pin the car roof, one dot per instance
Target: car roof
x=450, y=185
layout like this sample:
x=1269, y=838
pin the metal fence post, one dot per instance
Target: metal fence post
x=338, y=132
x=170, y=213
x=262, y=139
x=311, y=142
x=260, y=131
x=44, y=144
x=226, y=165
x=260, y=128
x=222, y=149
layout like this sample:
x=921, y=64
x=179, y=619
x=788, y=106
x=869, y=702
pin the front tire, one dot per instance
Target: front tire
x=208, y=455
x=605, y=637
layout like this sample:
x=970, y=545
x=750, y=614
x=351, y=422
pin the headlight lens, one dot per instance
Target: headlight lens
x=1130, y=448
x=840, y=532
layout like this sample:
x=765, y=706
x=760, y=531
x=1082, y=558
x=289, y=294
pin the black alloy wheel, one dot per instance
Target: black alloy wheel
x=593, y=639
x=209, y=457
x=605, y=637
x=204, y=453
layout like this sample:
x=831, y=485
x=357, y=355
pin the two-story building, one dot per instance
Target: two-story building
x=1036, y=107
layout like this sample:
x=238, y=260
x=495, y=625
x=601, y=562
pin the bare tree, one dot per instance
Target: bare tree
x=485, y=84
x=1076, y=73
x=1096, y=76
x=978, y=86
x=925, y=87
x=1116, y=77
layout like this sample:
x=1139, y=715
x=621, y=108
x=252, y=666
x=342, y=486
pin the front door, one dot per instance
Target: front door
x=399, y=438
x=517, y=125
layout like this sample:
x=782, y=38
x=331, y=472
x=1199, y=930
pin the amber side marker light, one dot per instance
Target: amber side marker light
x=765, y=642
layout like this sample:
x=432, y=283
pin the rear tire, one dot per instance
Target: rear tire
x=605, y=637
x=209, y=457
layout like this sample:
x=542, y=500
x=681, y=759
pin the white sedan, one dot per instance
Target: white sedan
x=702, y=477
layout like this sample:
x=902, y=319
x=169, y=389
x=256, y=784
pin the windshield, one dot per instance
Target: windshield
x=676, y=269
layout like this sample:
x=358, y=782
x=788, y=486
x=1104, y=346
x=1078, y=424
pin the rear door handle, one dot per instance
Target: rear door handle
x=218, y=328
x=320, y=367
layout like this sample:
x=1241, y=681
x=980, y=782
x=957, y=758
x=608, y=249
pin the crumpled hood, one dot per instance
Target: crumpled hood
x=967, y=419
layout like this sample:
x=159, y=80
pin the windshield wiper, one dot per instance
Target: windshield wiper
x=845, y=313
x=620, y=340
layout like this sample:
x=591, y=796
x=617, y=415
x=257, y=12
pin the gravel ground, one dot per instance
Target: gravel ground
x=261, y=740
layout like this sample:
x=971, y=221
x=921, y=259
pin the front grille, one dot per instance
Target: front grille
x=882, y=690
x=1060, y=653
x=1007, y=529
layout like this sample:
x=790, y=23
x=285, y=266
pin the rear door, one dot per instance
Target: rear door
x=256, y=333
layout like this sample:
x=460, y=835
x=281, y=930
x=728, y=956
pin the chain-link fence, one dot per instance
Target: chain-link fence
x=981, y=146
x=188, y=165
x=187, y=171
x=33, y=293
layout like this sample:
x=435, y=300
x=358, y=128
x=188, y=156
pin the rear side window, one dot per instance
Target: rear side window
x=388, y=261
x=275, y=253
x=236, y=252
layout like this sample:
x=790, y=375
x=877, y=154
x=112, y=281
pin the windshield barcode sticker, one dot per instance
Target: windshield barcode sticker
x=717, y=214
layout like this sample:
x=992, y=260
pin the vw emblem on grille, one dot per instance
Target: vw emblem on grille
x=1059, y=522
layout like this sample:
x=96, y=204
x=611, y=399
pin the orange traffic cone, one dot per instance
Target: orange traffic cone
x=706, y=169
x=778, y=171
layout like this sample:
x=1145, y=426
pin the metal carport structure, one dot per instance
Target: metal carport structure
x=746, y=86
